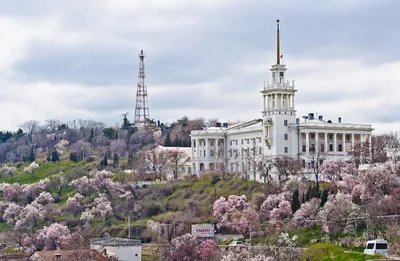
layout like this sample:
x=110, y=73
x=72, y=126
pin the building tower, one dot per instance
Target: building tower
x=279, y=111
x=142, y=115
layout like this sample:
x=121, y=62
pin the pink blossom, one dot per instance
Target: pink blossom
x=31, y=214
x=11, y=192
x=12, y=213
x=307, y=215
x=272, y=202
x=335, y=211
x=53, y=236
x=82, y=185
x=208, y=250
x=102, y=182
x=87, y=217
x=284, y=210
x=234, y=213
x=44, y=198
x=102, y=207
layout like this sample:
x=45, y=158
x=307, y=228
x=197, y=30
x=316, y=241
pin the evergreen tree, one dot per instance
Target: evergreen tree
x=324, y=197
x=116, y=160
x=308, y=194
x=104, y=162
x=315, y=192
x=295, y=201
x=55, y=156
x=126, y=124
x=73, y=156
x=303, y=199
x=91, y=135
x=168, y=142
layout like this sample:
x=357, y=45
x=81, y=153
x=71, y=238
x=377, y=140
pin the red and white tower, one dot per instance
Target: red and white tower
x=142, y=115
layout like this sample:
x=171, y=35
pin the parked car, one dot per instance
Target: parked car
x=237, y=243
x=377, y=246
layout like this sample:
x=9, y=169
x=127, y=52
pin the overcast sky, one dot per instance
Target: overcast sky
x=204, y=58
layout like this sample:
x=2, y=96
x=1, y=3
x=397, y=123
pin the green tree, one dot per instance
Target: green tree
x=308, y=193
x=324, y=197
x=295, y=201
x=55, y=156
x=110, y=133
x=168, y=142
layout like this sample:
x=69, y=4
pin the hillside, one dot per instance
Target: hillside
x=184, y=201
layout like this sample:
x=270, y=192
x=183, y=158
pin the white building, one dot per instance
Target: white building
x=122, y=248
x=277, y=133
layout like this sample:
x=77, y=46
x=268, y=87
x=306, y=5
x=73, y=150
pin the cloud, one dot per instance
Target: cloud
x=207, y=58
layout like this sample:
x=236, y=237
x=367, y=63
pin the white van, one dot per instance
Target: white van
x=377, y=246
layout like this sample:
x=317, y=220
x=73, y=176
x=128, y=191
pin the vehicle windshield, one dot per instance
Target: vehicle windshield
x=370, y=246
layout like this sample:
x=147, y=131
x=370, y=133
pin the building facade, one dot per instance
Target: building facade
x=277, y=133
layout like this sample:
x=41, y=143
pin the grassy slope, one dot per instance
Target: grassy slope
x=330, y=252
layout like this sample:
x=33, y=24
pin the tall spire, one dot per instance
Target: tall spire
x=278, y=44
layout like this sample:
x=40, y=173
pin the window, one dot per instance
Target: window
x=286, y=149
x=281, y=74
x=285, y=123
x=370, y=246
x=236, y=142
x=211, y=143
x=330, y=147
x=330, y=136
x=312, y=135
x=381, y=246
x=285, y=136
x=194, y=144
x=212, y=153
x=304, y=148
x=248, y=141
x=242, y=141
x=340, y=147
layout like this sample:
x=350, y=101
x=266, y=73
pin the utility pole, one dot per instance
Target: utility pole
x=142, y=115
x=129, y=227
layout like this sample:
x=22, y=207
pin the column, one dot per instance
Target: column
x=207, y=154
x=317, y=142
x=326, y=142
x=281, y=101
x=265, y=102
x=197, y=149
x=293, y=101
x=352, y=141
x=334, y=143
x=275, y=101
x=300, y=143
x=193, y=147
x=287, y=101
x=370, y=143
x=361, y=141
x=343, y=142
x=307, y=143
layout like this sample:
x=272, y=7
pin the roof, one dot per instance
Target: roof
x=377, y=241
x=113, y=241
x=67, y=255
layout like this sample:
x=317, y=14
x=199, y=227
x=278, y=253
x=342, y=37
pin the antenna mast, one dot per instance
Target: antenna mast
x=142, y=115
x=278, y=44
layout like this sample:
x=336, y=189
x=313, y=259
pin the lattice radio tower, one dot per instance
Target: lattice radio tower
x=142, y=115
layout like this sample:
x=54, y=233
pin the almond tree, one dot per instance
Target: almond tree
x=335, y=212
x=53, y=236
x=235, y=213
x=307, y=215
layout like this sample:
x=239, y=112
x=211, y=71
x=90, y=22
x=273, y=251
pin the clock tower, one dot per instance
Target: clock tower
x=279, y=112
